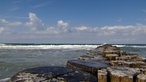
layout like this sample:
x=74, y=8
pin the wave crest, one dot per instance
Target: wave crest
x=48, y=46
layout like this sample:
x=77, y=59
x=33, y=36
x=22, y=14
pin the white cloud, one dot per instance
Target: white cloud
x=52, y=30
x=4, y=30
x=35, y=23
x=61, y=23
x=15, y=24
x=124, y=30
x=63, y=26
x=5, y=23
x=6, y=27
x=82, y=28
x=62, y=32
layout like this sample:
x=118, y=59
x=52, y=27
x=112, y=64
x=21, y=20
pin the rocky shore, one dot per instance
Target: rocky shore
x=106, y=63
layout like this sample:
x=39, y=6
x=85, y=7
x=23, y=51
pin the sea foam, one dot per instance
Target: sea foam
x=87, y=47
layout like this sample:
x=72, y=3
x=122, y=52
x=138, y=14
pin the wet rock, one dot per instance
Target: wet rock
x=52, y=74
x=89, y=65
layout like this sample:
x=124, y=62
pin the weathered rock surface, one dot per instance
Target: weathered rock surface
x=102, y=75
x=52, y=74
x=91, y=66
x=118, y=66
x=122, y=74
x=141, y=78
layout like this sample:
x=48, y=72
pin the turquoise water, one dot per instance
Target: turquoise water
x=16, y=57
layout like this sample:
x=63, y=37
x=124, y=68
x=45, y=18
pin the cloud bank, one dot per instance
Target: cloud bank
x=34, y=30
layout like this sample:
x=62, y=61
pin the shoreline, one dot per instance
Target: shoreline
x=102, y=62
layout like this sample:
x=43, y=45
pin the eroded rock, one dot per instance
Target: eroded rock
x=141, y=78
x=91, y=66
x=102, y=75
x=122, y=74
x=52, y=74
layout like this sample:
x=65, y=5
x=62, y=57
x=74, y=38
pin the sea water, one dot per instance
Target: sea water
x=16, y=57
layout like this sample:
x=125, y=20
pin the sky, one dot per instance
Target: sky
x=73, y=21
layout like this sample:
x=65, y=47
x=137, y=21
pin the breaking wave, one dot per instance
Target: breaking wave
x=5, y=80
x=132, y=45
x=7, y=46
x=64, y=46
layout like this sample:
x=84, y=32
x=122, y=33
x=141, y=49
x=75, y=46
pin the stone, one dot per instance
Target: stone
x=86, y=65
x=90, y=57
x=86, y=57
x=93, y=52
x=111, y=56
x=52, y=74
x=99, y=58
x=141, y=78
x=122, y=74
x=134, y=64
x=126, y=57
x=102, y=75
x=107, y=47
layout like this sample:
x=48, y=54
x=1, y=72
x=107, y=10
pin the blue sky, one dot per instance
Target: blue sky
x=73, y=21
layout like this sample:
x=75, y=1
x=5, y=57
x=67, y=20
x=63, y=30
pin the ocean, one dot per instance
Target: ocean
x=16, y=57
